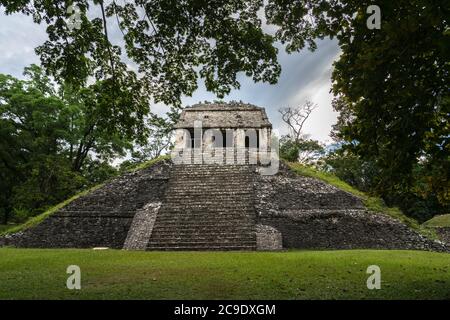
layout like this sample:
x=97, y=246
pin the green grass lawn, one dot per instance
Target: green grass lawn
x=115, y=274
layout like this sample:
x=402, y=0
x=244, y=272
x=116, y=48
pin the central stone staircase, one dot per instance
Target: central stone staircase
x=206, y=207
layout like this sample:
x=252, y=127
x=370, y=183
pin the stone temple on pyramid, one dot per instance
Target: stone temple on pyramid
x=223, y=188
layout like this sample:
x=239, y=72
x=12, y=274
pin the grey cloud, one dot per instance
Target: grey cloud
x=305, y=75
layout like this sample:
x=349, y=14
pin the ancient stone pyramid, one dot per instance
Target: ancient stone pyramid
x=217, y=207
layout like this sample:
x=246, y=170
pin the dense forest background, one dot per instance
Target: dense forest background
x=63, y=128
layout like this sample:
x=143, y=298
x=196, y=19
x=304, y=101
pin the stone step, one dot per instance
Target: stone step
x=202, y=167
x=203, y=213
x=214, y=198
x=203, y=248
x=206, y=227
x=217, y=178
x=206, y=207
x=211, y=188
x=244, y=224
x=216, y=170
x=202, y=234
x=218, y=219
x=211, y=197
x=201, y=184
x=226, y=226
x=202, y=238
x=219, y=242
x=165, y=237
x=205, y=177
x=194, y=220
x=210, y=207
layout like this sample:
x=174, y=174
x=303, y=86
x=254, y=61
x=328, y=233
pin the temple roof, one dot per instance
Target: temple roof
x=224, y=115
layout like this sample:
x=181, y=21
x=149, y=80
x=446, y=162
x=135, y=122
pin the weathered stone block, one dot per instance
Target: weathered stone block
x=268, y=238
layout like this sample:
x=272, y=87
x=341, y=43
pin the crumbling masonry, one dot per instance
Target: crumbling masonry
x=219, y=205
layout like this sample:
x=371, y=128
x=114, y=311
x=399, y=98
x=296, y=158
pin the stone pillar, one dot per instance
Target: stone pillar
x=211, y=153
x=252, y=135
x=264, y=145
x=230, y=143
x=181, y=137
x=264, y=139
x=240, y=146
x=181, y=152
x=198, y=142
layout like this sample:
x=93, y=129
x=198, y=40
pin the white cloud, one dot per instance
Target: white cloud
x=19, y=35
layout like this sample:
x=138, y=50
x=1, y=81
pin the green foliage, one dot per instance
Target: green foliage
x=39, y=218
x=392, y=93
x=49, y=181
x=173, y=44
x=119, y=274
x=306, y=151
x=128, y=166
x=49, y=135
x=350, y=168
x=159, y=141
x=20, y=215
x=420, y=201
x=4, y=227
x=288, y=150
x=391, y=88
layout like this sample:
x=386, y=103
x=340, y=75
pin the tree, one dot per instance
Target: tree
x=350, y=168
x=421, y=201
x=159, y=141
x=306, y=151
x=32, y=126
x=295, y=118
x=173, y=43
x=391, y=84
x=55, y=141
x=296, y=146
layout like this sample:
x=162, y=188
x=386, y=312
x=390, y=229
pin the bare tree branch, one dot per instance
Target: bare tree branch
x=295, y=118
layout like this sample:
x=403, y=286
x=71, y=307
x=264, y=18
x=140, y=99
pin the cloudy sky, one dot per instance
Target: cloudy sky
x=305, y=76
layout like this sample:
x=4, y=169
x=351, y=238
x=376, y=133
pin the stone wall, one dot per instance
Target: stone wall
x=311, y=214
x=289, y=211
x=444, y=234
x=101, y=218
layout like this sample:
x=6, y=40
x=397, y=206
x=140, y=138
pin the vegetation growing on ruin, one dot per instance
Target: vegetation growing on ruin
x=374, y=204
x=5, y=229
x=439, y=221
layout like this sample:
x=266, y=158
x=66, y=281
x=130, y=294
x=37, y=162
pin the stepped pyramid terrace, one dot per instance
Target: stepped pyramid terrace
x=223, y=189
